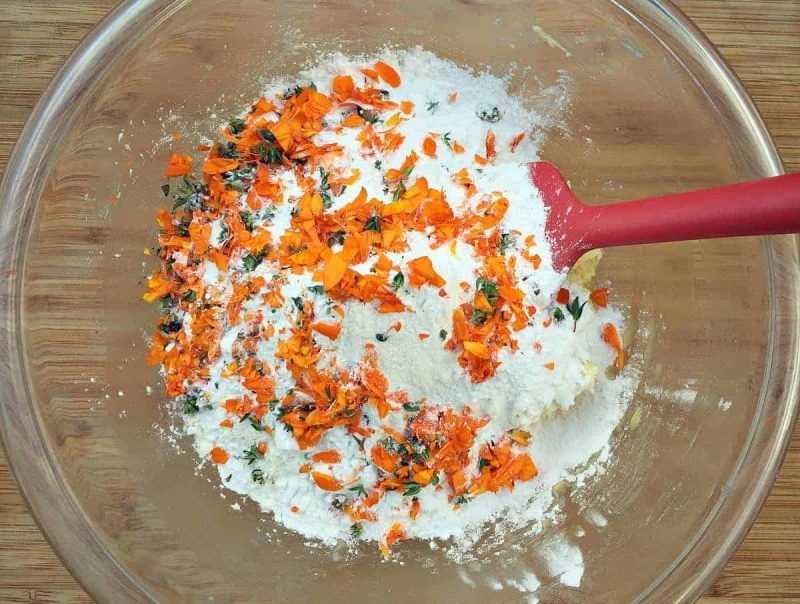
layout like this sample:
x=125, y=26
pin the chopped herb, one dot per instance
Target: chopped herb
x=482, y=463
x=398, y=281
x=237, y=125
x=367, y=115
x=359, y=489
x=258, y=475
x=252, y=454
x=392, y=445
x=382, y=337
x=356, y=530
x=182, y=228
x=166, y=304
x=435, y=480
x=248, y=219
x=411, y=488
x=461, y=500
x=407, y=172
x=223, y=235
x=478, y=317
x=325, y=189
x=256, y=424
x=506, y=241
x=165, y=189
x=558, y=315
x=298, y=302
x=420, y=452
x=229, y=151
x=447, y=140
x=189, y=404
x=433, y=106
x=378, y=164
x=373, y=223
x=411, y=407
x=317, y=289
x=490, y=116
x=293, y=91
x=252, y=261
x=575, y=308
x=188, y=193
x=489, y=289
x=442, y=334
x=273, y=404
x=339, y=501
x=190, y=296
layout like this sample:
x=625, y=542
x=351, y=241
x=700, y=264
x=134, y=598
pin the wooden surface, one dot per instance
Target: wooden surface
x=760, y=38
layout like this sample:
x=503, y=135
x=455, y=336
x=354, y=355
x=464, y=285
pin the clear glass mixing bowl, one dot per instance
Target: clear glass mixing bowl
x=653, y=110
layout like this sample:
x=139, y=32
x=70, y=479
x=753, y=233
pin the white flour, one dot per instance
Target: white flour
x=552, y=387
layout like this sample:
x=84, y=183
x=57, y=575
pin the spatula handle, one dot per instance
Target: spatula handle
x=764, y=207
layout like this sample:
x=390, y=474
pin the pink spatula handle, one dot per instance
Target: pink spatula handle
x=763, y=207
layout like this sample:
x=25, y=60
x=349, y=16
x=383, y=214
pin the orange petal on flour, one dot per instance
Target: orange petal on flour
x=388, y=74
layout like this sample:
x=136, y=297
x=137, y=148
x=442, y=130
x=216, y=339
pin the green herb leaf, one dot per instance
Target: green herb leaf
x=258, y=475
x=489, y=289
x=182, y=228
x=229, y=151
x=252, y=261
x=478, y=317
x=317, y=289
x=442, y=334
x=359, y=489
x=256, y=424
x=433, y=106
x=248, y=219
x=575, y=308
x=482, y=463
x=252, y=454
x=447, y=140
x=373, y=223
x=237, y=125
x=165, y=189
x=356, y=530
x=420, y=452
x=490, y=116
x=435, y=480
x=382, y=337
x=460, y=500
x=398, y=281
x=558, y=315
x=506, y=241
x=367, y=115
x=411, y=407
x=189, y=404
x=411, y=488
x=190, y=296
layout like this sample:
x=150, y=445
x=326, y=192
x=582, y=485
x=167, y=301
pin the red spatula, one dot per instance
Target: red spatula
x=763, y=207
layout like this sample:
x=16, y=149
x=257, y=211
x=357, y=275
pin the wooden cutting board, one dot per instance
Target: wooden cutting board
x=760, y=38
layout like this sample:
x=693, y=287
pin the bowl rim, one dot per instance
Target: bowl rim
x=66, y=529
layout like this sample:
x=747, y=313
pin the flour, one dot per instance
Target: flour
x=548, y=385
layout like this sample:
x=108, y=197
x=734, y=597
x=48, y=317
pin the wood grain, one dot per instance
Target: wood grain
x=761, y=40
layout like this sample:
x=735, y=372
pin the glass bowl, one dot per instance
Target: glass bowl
x=652, y=109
